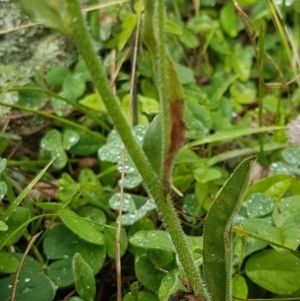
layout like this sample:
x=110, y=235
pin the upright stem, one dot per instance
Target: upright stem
x=152, y=182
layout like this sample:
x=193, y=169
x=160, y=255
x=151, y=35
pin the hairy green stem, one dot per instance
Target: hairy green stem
x=153, y=36
x=151, y=180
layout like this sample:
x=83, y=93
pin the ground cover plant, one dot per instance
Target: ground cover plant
x=139, y=182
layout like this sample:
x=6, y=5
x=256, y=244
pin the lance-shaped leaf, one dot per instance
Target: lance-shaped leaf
x=217, y=237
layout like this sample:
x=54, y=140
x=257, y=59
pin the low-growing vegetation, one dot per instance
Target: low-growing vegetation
x=156, y=162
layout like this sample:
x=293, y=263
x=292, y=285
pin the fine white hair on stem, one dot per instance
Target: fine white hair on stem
x=293, y=131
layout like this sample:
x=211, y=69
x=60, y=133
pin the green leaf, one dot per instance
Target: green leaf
x=28, y=288
x=128, y=26
x=286, y=236
x=15, y=224
x=110, y=236
x=94, y=255
x=81, y=226
x=94, y=214
x=276, y=272
x=229, y=20
x=128, y=204
x=152, y=144
x=60, y=272
x=206, y=174
x=32, y=99
x=51, y=13
x=56, y=75
x=242, y=61
x=286, y=212
x=84, y=278
x=170, y=284
x=3, y=190
x=59, y=242
x=2, y=164
x=239, y=287
x=172, y=27
x=94, y=102
x=217, y=244
x=70, y=138
x=259, y=205
x=189, y=39
x=52, y=143
x=243, y=93
x=185, y=75
x=153, y=239
x=8, y=263
x=73, y=86
x=132, y=217
x=67, y=188
x=146, y=272
x=60, y=106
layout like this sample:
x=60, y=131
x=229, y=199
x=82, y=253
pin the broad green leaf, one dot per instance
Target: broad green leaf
x=132, y=217
x=56, y=75
x=276, y=236
x=202, y=24
x=94, y=255
x=286, y=212
x=15, y=224
x=84, y=278
x=172, y=27
x=59, y=242
x=110, y=236
x=51, y=13
x=81, y=226
x=62, y=107
x=291, y=155
x=60, y=272
x=163, y=259
x=169, y=285
x=73, y=86
x=239, y=287
x=70, y=138
x=185, y=75
x=206, y=174
x=242, y=62
x=94, y=102
x=146, y=272
x=189, y=39
x=29, y=98
x=52, y=143
x=29, y=288
x=94, y=214
x=217, y=244
x=67, y=188
x=8, y=263
x=3, y=226
x=153, y=239
x=113, y=152
x=268, y=184
x=229, y=20
x=243, y=93
x=128, y=204
x=259, y=205
x=276, y=272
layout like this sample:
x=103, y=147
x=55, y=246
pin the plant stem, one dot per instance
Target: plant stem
x=152, y=182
